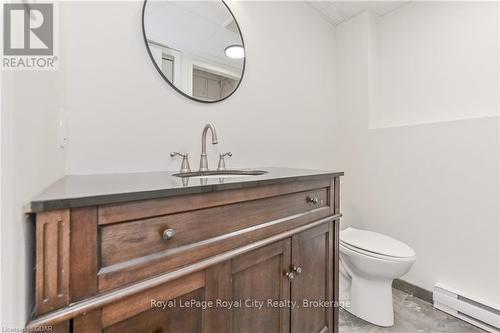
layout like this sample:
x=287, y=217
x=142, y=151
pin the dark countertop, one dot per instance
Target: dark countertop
x=88, y=190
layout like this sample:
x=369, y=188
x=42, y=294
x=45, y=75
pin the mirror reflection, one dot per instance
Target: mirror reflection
x=196, y=46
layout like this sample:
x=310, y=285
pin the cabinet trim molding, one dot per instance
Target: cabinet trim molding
x=52, y=250
x=127, y=211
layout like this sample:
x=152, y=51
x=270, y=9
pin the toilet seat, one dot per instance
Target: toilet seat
x=374, y=255
x=375, y=245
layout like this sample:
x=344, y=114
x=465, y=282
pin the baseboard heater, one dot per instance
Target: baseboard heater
x=467, y=309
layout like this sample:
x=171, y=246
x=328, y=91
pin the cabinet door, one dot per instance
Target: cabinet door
x=158, y=320
x=158, y=310
x=312, y=255
x=259, y=276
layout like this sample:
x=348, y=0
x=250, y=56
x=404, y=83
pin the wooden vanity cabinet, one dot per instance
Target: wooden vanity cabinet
x=245, y=260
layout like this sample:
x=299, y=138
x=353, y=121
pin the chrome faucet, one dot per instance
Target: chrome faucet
x=203, y=159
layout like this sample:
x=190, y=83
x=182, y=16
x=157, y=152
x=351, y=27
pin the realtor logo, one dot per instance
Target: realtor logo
x=28, y=35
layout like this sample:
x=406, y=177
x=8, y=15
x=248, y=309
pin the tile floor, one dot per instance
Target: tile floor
x=411, y=315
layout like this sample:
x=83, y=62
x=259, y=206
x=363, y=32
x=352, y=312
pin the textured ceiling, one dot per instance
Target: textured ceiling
x=337, y=12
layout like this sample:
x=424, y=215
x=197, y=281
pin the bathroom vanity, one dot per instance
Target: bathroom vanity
x=151, y=252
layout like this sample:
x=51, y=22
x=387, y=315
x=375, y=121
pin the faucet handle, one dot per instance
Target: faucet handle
x=185, y=168
x=222, y=162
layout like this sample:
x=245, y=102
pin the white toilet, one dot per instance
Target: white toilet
x=369, y=261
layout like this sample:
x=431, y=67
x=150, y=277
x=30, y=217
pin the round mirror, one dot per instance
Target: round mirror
x=196, y=46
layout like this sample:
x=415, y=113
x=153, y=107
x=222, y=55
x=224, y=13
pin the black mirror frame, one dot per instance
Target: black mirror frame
x=170, y=83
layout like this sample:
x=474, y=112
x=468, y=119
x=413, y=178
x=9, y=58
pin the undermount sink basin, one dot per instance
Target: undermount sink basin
x=220, y=174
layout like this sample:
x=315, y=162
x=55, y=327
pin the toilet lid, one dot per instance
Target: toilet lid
x=376, y=243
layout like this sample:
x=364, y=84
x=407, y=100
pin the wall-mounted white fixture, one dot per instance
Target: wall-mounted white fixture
x=235, y=51
x=482, y=315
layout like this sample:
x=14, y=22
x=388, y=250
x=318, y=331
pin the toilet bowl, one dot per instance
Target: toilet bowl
x=369, y=262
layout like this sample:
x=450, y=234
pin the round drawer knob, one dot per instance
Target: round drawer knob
x=168, y=234
x=297, y=270
x=313, y=200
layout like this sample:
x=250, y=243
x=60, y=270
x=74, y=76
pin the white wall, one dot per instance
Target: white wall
x=124, y=118
x=31, y=160
x=420, y=139
x=436, y=62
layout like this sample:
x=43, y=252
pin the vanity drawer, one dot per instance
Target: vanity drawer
x=135, y=250
x=124, y=241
